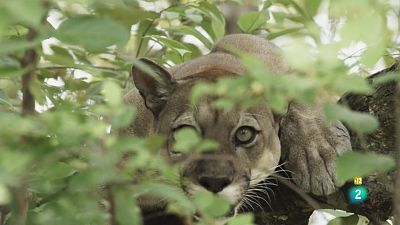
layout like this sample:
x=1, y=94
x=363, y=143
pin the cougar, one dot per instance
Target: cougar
x=252, y=142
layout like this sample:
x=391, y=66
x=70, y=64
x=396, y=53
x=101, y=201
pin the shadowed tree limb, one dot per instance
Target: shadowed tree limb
x=397, y=185
x=111, y=207
x=29, y=62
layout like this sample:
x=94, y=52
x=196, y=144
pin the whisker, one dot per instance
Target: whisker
x=265, y=192
x=246, y=201
x=265, y=183
x=263, y=199
x=249, y=198
x=285, y=171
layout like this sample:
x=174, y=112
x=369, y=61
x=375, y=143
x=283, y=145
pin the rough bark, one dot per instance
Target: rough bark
x=381, y=104
x=28, y=62
x=397, y=187
x=20, y=194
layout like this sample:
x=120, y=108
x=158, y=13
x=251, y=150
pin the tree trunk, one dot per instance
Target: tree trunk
x=397, y=187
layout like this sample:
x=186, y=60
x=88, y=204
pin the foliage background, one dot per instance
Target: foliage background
x=64, y=67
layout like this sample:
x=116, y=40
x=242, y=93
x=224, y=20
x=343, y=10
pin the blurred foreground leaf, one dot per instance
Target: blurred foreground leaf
x=360, y=122
x=352, y=164
x=92, y=33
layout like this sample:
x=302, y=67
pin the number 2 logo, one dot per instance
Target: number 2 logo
x=358, y=194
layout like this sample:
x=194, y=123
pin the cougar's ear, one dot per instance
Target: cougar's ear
x=154, y=83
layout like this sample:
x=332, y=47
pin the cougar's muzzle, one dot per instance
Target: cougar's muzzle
x=216, y=173
x=213, y=174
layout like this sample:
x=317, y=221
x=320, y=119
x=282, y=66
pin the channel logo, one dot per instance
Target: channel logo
x=358, y=193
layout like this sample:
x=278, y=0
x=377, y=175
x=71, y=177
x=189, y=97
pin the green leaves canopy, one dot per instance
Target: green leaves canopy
x=84, y=51
x=92, y=33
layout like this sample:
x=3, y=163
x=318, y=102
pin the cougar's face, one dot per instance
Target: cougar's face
x=248, y=152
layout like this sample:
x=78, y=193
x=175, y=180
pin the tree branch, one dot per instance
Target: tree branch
x=28, y=62
x=397, y=179
x=22, y=205
x=111, y=209
x=310, y=201
x=80, y=67
x=3, y=212
x=142, y=37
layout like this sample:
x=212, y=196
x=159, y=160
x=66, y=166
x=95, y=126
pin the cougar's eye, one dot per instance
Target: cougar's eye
x=245, y=135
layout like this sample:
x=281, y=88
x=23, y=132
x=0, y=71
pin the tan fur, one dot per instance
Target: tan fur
x=217, y=59
x=309, y=145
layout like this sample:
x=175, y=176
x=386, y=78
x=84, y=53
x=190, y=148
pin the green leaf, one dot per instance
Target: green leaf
x=144, y=28
x=123, y=116
x=193, y=15
x=223, y=103
x=199, y=90
x=15, y=45
x=207, y=27
x=127, y=16
x=336, y=213
x=186, y=139
x=15, y=31
x=4, y=98
x=37, y=90
x=388, y=59
x=14, y=164
x=355, y=84
x=5, y=195
x=126, y=209
x=155, y=142
x=312, y=6
x=73, y=84
x=350, y=220
x=242, y=219
x=274, y=35
x=218, y=28
x=359, y=121
x=60, y=56
x=57, y=170
x=171, y=44
x=213, y=205
x=277, y=102
x=352, y=164
x=112, y=93
x=279, y=17
x=388, y=77
x=215, y=25
x=208, y=145
x=195, y=33
x=28, y=12
x=9, y=67
x=251, y=21
x=168, y=192
x=92, y=33
x=373, y=53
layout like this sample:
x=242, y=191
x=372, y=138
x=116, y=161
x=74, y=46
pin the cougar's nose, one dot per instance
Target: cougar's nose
x=214, y=184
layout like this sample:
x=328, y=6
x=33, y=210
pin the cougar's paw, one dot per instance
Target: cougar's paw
x=310, y=146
